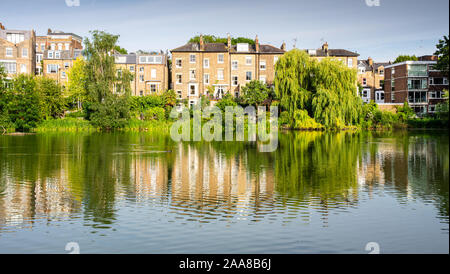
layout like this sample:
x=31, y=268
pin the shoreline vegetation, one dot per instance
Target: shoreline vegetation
x=310, y=95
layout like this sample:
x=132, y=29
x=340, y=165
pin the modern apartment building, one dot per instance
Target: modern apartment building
x=17, y=51
x=220, y=68
x=151, y=71
x=371, y=78
x=347, y=57
x=417, y=82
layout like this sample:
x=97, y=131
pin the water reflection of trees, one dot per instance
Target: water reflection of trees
x=58, y=175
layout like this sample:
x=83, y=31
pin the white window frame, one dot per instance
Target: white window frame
x=262, y=78
x=262, y=65
x=234, y=65
x=192, y=58
x=248, y=60
x=196, y=89
x=176, y=62
x=234, y=80
x=206, y=78
x=246, y=76
x=350, y=62
x=206, y=63
x=25, y=50
x=67, y=46
x=153, y=73
x=23, y=68
x=141, y=78
x=192, y=76
x=220, y=76
x=220, y=58
x=9, y=50
x=176, y=78
x=50, y=54
x=57, y=55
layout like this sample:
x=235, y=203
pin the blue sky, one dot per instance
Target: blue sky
x=382, y=32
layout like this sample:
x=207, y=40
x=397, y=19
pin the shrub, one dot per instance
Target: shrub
x=155, y=113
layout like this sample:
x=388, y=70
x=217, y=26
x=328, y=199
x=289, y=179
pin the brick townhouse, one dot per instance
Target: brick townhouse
x=150, y=70
x=17, y=51
x=417, y=82
x=349, y=58
x=221, y=68
x=371, y=78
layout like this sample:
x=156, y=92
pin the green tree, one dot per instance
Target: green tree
x=52, y=100
x=120, y=50
x=108, y=90
x=170, y=98
x=24, y=103
x=442, y=53
x=255, y=93
x=76, y=87
x=226, y=101
x=214, y=39
x=403, y=58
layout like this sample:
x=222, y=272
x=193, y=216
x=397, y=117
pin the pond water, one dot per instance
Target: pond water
x=143, y=193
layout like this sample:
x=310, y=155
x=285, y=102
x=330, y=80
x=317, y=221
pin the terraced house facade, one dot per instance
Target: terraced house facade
x=150, y=71
x=349, y=58
x=215, y=69
x=371, y=79
x=17, y=51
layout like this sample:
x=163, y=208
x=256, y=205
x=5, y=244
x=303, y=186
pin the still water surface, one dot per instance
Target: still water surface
x=141, y=193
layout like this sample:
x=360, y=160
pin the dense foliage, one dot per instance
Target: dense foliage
x=215, y=39
x=403, y=58
x=442, y=53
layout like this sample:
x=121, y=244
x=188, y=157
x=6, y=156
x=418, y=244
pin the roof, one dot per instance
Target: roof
x=333, y=52
x=27, y=33
x=412, y=63
x=65, y=33
x=125, y=58
x=365, y=64
x=221, y=47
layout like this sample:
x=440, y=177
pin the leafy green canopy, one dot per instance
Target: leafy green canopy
x=442, y=53
x=255, y=93
x=215, y=39
x=403, y=58
x=108, y=90
x=327, y=90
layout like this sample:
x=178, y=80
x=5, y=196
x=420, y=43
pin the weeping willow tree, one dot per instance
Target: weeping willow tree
x=327, y=90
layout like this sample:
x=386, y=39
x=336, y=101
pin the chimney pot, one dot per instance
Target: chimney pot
x=202, y=44
x=229, y=41
x=256, y=43
x=283, y=46
x=370, y=60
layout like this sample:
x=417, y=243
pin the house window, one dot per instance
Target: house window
x=192, y=89
x=248, y=76
x=192, y=74
x=248, y=60
x=53, y=46
x=179, y=96
x=364, y=81
x=24, y=52
x=262, y=65
x=42, y=47
x=9, y=52
x=23, y=68
x=381, y=71
x=234, y=65
x=131, y=68
x=50, y=55
x=192, y=58
x=206, y=63
x=234, y=80
x=153, y=88
x=219, y=92
x=60, y=46
x=52, y=68
x=392, y=85
x=350, y=62
x=275, y=59
x=262, y=79
x=220, y=58
x=178, y=77
x=15, y=37
x=66, y=65
x=63, y=74
x=10, y=67
x=206, y=78
x=38, y=58
x=153, y=73
x=67, y=46
x=141, y=69
x=178, y=63
x=220, y=74
x=57, y=55
x=141, y=78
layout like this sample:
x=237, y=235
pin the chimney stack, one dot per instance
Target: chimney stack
x=283, y=46
x=370, y=60
x=229, y=42
x=49, y=31
x=256, y=43
x=325, y=47
x=202, y=44
x=2, y=27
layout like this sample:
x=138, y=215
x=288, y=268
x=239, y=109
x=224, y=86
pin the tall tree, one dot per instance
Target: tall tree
x=52, y=100
x=76, y=87
x=442, y=53
x=108, y=89
x=254, y=93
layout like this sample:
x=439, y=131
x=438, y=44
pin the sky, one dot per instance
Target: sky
x=383, y=31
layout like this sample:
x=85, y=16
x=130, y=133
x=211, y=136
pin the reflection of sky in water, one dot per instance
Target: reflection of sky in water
x=317, y=194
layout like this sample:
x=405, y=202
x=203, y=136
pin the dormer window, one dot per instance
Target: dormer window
x=15, y=37
x=242, y=47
